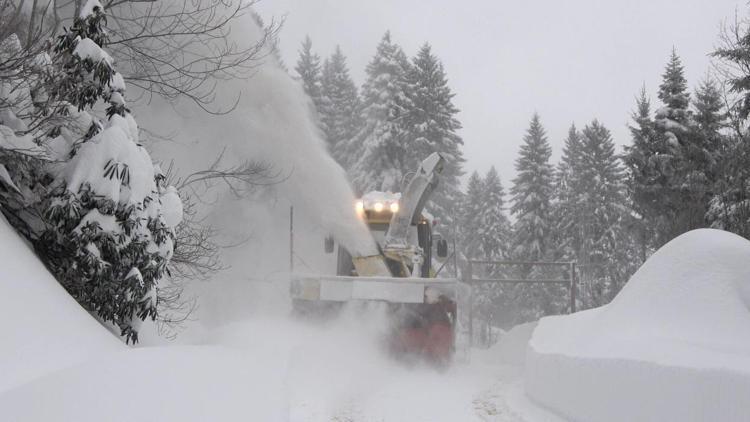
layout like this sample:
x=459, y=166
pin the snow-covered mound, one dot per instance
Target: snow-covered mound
x=511, y=348
x=43, y=328
x=673, y=345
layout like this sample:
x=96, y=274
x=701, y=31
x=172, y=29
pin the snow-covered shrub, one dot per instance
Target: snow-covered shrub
x=110, y=216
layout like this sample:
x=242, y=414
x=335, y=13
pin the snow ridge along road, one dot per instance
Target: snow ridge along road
x=675, y=340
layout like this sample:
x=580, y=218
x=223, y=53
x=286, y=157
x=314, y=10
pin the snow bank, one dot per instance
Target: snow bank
x=43, y=328
x=673, y=345
x=511, y=347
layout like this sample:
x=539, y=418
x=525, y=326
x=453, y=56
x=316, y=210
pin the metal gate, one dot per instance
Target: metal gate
x=567, y=270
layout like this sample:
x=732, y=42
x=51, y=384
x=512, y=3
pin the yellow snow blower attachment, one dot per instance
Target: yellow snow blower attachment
x=402, y=275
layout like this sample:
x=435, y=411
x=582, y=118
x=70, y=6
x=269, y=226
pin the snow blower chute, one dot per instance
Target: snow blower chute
x=423, y=308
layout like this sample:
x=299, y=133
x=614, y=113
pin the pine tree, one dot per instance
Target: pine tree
x=673, y=91
x=532, y=194
x=430, y=126
x=308, y=69
x=492, y=234
x=730, y=205
x=709, y=109
x=471, y=245
x=642, y=162
x=735, y=54
x=710, y=119
x=382, y=158
x=699, y=154
x=340, y=114
x=669, y=162
x=494, y=227
x=692, y=153
x=567, y=219
x=673, y=120
x=110, y=218
x=601, y=205
x=471, y=211
x=729, y=208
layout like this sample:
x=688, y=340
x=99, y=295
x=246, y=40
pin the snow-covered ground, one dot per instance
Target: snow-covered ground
x=43, y=328
x=674, y=345
x=59, y=364
x=270, y=370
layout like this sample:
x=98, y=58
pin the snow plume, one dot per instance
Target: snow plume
x=287, y=136
x=271, y=123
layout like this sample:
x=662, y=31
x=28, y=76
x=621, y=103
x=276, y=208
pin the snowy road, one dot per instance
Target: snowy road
x=274, y=369
x=264, y=367
x=416, y=397
x=338, y=373
x=466, y=393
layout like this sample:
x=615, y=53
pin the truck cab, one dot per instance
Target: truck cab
x=377, y=210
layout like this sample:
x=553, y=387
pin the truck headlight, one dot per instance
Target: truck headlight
x=360, y=207
x=378, y=207
x=394, y=207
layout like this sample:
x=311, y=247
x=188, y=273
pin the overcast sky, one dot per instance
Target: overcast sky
x=570, y=61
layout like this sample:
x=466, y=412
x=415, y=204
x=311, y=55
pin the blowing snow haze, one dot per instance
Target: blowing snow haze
x=541, y=211
x=271, y=123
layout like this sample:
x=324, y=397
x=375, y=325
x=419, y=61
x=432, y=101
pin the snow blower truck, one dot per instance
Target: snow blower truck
x=422, y=308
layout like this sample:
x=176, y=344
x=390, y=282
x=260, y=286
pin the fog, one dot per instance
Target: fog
x=568, y=60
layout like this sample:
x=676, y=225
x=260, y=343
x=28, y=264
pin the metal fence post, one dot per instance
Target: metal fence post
x=469, y=277
x=573, y=287
x=291, y=239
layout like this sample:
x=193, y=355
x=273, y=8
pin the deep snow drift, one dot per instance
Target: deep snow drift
x=673, y=345
x=43, y=328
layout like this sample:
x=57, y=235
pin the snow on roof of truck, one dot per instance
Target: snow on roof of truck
x=371, y=198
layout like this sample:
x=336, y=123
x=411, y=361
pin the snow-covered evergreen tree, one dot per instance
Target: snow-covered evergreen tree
x=532, y=194
x=670, y=161
x=110, y=218
x=645, y=160
x=699, y=155
x=734, y=55
x=567, y=220
x=673, y=94
x=709, y=113
x=379, y=147
x=309, y=71
x=601, y=207
x=471, y=212
x=494, y=235
x=430, y=125
x=340, y=111
x=729, y=208
x=494, y=228
x=730, y=205
x=688, y=186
